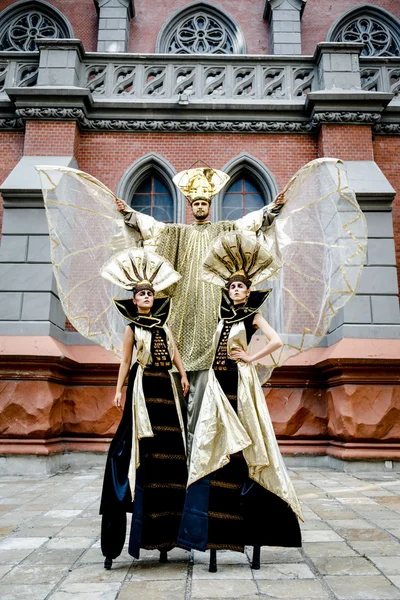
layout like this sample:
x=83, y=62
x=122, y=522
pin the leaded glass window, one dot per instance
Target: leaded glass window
x=200, y=29
x=154, y=199
x=373, y=27
x=242, y=196
x=22, y=25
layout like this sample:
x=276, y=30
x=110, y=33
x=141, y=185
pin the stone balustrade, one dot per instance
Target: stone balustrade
x=249, y=79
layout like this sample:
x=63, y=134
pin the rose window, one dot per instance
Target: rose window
x=20, y=32
x=379, y=38
x=201, y=35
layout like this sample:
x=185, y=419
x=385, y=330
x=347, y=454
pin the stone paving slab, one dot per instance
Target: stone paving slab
x=50, y=548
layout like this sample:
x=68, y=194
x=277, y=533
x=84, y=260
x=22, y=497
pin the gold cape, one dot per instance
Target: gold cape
x=221, y=432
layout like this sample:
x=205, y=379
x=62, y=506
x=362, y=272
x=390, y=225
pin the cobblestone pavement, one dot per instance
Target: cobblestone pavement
x=49, y=546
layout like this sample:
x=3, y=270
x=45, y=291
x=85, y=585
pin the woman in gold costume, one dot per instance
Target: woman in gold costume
x=239, y=492
x=146, y=466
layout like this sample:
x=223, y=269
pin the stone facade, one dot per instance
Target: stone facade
x=257, y=96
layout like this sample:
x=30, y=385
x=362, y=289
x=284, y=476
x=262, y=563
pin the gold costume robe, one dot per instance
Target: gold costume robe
x=194, y=314
x=221, y=432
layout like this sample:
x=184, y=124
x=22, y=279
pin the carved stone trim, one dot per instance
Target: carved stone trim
x=11, y=124
x=166, y=125
x=198, y=125
x=386, y=128
x=346, y=117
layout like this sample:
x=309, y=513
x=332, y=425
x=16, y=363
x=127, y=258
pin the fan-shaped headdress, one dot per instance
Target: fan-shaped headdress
x=238, y=257
x=201, y=183
x=137, y=269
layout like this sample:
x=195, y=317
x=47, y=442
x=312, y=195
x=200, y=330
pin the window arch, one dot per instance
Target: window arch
x=200, y=28
x=251, y=187
x=23, y=22
x=371, y=25
x=147, y=186
x=241, y=197
x=152, y=197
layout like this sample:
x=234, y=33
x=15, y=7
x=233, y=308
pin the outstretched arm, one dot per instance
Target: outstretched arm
x=125, y=364
x=274, y=342
x=179, y=365
x=263, y=218
x=147, y=227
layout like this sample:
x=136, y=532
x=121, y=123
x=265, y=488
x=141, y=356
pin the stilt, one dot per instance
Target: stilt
x=107, y=563
x=213, y=561
x=163, y=556
x=256, y=557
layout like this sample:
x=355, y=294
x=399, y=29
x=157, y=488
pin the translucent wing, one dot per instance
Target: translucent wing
x=320, y=236
x=85, y=231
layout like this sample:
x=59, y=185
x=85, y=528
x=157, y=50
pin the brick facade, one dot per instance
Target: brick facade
x=387, y=152
x=345, y=393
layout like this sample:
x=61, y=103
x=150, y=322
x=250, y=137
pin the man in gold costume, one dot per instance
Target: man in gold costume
x=195, y=302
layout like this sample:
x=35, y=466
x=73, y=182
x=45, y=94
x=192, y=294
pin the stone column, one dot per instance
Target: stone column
x=284, y=18
x=114, y=18
x=60, y=63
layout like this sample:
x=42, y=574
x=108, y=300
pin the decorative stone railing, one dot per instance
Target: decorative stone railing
x=166, y=77
x=199, y=92
x=380, y=75
x=18, y=69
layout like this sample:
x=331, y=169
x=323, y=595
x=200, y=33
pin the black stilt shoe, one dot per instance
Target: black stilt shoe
x=107, y=563
x=213, y=562
x=163, y=556
x=256, y=558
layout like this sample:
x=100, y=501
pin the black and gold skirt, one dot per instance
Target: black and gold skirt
x=160, y=478
x=240, y=511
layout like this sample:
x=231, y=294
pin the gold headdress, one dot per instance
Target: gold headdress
x=201, y=183
x=137, y=269
x=238, y=257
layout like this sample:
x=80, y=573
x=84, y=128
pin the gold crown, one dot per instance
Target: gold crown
x=201, y=183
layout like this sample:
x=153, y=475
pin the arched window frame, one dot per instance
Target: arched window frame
x=368, y=10
x=20, y=9
x=167, y=30
x=240, y=166
x=152, y=164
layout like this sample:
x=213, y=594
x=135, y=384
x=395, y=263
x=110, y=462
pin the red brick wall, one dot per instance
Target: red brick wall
x=387, y=152
x=11, y=150
x=51, y=138
x=107, y=155
x=317, y=18
x=82, y=16
x=348, y=142
x=320, y=15
x=248, y=15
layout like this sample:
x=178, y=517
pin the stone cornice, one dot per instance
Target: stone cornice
x=346, y=117
x=326, y=374
x=386, y=129
x=199, y=125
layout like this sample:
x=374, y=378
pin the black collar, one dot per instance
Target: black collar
x=158, y=317
x=231, y=313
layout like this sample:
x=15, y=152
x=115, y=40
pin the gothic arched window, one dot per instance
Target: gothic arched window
x=372, y=26
x=147, y=186
x=23, y=22
x=242, y=196
x=200, y=29
x=153, y=198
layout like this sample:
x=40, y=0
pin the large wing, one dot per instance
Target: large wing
x=321, y=238
x=85, y=230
